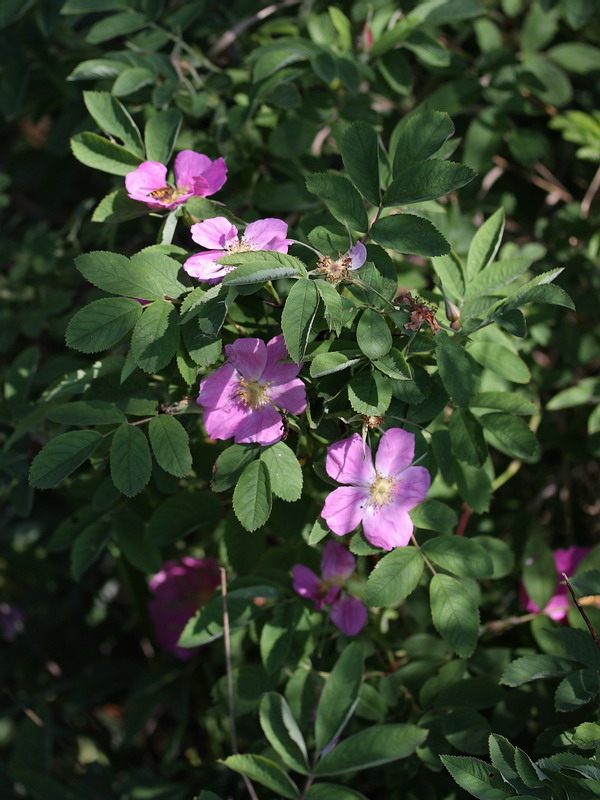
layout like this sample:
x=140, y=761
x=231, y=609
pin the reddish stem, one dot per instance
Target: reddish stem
x=462, y=524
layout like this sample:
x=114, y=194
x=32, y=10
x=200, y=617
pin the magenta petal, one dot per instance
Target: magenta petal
x=224, y=422
x=349, y=615
x=204, y=266
x=279, y=368
x=395, y=451
x=568, y=559
x=305, y=582
x=248, y=356
x=358, y=255
x=216, y=233
x=290, y=396
x=412, y=487
x=261, y=425
x=344, y=508
x=149, y=176
x=215, y=177
x=267, y=234
x=346, y=462
x=189, y=165
x=336, y=561
x=387, y=527
x=219, y=388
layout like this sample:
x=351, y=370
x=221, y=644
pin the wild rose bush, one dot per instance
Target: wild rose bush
x=290, y=512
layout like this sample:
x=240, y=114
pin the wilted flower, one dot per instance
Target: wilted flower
x=420, y=313
x=12, y=621
x=566, y=560
x=336, y=270
x=221, y=235
x=178, y=591
x=337, y=565
x=245, y=397
x=195, y=174
x=379, y=496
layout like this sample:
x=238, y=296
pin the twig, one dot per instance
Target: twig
x=427, y=561
x=591, y=628
x=590, y=194
x=229, y=671
x=229, y=37
x=498, y=625
x=462, y=524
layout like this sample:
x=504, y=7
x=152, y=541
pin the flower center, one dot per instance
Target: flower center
x=252, y=393
x=335, y=271
x=381, y=491
x=240, y=246
x=169, y=194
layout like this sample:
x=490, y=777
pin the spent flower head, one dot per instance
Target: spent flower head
x=336, y=270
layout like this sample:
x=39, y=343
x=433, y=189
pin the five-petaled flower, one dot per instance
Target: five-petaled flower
x=245, y=397
x=336, y=270
x=195, y=174
x=222, y=236
x=379, y=496
x=566, y=560
x=337, y=565
x=177, y=592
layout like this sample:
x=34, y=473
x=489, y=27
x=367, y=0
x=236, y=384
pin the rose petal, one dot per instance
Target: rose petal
x=305, y=582
x=267, y=234
x=290, y=396
x=336, y=561
x=412, y=487
x=189, y=165
x=387, y=527
x=568, y=559
x=395, y=452
x=149, y=176
x=248, y=356
x=225, y=422
x=358, y=255
x=279, y=368
x=349, y=615
x=347, y=462
x=216, y=233
x=214, y=178
x=344, y=508
x=219, y=388
x=261, y=425
x=204, y=267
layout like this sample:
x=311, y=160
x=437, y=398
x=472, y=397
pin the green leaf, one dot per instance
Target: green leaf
x=467, y=439
x=146, y=276
x=466, y=729
x=285, y=473
x=408, y=233
x=252, y=496
x=513, y=435
x=478, y=778
x=501, y=360
x=160, y=135
x=496, y=276
x=504, y=401
x=101, y=324
x=360, y=153
x=373, y=335
x=419, y=136
x=130, y=461
x=538, y=290
x=266, y=258
x=455, y=369
x=118, y=207
x=282, y=732
x=500, y=553
x=88, y=547
x=485, y=243
x=538, y=571
x=116, y=25
x=96, y=68
x=180, y=514
x=298, y=317
x=426, y=180
x=587, y=735
x=230, y=464
x=371, y=747
x=114, y=119
x=459, y=555
x=258, y=272
x=455, y=614
x=369, y=393
x=332, y=791
x=132, y=80
x=86, y=412
x=170, y=445
x=155, y=337
x=449, y=270
x=134, y=545
x=578, y=57
x=265, y=772
x=434, y=516
x=394, y=365
x=576, y=689
x=340, y=197
x=332, y=302
x=97, y=152
x=329, y=363
x=92, y=6
x=339, y=696
x=318, y=531
x=277, y=634
x=61, y=456
x=395, y=576
x=532, y=668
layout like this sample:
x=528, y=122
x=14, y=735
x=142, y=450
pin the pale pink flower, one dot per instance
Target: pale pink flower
x=337, y=565
x=177, y=592
x=245, y=397
x=379, y=496
x=566, y=560
x=195, y=175
x=222, y=236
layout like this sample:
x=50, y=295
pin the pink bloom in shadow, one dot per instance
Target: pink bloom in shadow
x=566, y=560
x=177, y=592
x=12, y=621
x=380, y=495
x=245, y=397
x=337, y=565
x=195, y=175
x=222, y=237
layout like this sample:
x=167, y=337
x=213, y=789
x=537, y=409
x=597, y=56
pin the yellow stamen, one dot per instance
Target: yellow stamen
x=382, y=491
x=252, y=393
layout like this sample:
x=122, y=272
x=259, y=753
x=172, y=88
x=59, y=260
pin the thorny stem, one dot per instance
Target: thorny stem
x=427, y=561
x=591, y=628
x=229, y=676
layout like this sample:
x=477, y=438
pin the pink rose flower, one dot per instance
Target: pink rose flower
x=221, y=235
x=244, y=398
x=337, y=565
x=178, y=591
x=195, y=174
x=566, y=560
x=379, y=496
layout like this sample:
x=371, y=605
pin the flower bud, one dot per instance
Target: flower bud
x=452, y=313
